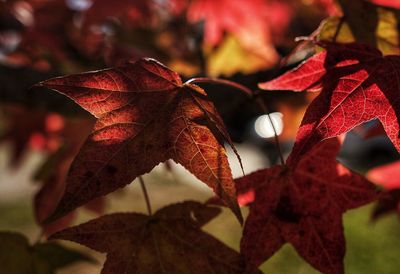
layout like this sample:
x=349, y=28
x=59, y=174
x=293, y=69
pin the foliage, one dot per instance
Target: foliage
x=103, y=129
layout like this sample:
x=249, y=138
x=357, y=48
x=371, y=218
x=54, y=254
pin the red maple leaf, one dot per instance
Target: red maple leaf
x=357, y=84
x=302, y=204
x=146, y=115
x=170, y=241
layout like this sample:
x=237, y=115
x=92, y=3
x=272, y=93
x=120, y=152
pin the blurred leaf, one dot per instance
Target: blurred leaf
x=388, y=175
x=365, y=23
x=232, y=57
x=389, y=3
x=18, y=257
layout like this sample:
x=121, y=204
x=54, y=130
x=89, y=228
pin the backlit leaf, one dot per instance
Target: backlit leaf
x=146, y=115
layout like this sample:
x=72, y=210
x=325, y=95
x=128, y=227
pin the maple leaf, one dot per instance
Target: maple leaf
x=302, y=204
x=17, y=256
x=138, y=243
x=358, y=84
x=363, y=22
x=146, y=115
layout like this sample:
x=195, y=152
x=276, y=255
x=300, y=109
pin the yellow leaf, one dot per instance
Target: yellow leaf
x=232, y=57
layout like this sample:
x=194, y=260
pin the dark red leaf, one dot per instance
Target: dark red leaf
x=302, y=204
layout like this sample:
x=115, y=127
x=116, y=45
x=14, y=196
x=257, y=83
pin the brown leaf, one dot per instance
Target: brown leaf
x=170, y=241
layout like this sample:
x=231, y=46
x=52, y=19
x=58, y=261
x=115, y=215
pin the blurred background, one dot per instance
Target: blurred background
x=243, y=41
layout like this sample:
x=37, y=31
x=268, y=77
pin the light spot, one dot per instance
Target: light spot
x=79, y=5
x=263, y=125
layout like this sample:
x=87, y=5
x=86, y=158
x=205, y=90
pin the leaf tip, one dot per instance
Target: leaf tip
x=268, y=85
x=263, y=85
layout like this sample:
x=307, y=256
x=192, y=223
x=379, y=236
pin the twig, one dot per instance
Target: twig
x=146, y=195
x=264, y=109
x=218, y=81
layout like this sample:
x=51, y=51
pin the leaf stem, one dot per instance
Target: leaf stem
x=249, y=93
x=225, y=82
x=146, y=195
x=338, y=29
x=264, y=109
